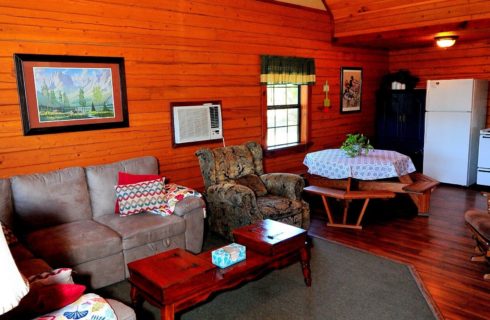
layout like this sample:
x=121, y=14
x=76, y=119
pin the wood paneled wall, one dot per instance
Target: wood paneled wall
x=363, y=17
x=462, y=61
x=175, y=51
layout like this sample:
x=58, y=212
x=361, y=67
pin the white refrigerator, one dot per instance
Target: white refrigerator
x=455, y=113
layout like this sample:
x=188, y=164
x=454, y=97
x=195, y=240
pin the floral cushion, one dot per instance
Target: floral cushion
x=140, y=197
x=173, y=194
x=9, y=235
x=88, y=307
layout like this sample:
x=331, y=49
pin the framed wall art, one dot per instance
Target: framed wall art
x=71, y=93
x=351, y=89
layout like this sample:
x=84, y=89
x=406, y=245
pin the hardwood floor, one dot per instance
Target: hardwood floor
x=438, y=246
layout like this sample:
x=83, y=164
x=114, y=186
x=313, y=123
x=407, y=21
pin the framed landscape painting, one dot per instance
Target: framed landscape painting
x=351, y=89
x=71, y=93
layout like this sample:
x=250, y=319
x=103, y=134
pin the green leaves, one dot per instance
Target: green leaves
x=355, y=143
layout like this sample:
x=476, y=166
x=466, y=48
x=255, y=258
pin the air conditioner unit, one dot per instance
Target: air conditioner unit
x=197, y=123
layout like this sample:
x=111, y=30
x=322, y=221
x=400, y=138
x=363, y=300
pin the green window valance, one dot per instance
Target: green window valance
x=280, y=70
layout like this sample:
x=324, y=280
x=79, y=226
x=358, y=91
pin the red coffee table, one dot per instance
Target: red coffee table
x=176, y=279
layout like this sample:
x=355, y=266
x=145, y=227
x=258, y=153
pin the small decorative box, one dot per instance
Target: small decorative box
x=228, y=255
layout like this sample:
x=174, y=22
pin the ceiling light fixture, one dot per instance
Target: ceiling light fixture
x=445, y=41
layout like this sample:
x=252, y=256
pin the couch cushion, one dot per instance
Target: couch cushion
x=102, y=179
x=53, y=198
x=72, y=243
x=144, y=228
x=276, y=208
x=6, y=213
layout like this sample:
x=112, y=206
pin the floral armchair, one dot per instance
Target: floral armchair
x=238, y=192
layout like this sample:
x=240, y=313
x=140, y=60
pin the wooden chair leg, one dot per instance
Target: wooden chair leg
x=361, y=215
x=327, y=209
x=346, y=209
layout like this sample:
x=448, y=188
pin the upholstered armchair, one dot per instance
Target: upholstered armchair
x=238, y=192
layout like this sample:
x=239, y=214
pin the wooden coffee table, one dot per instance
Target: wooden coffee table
x=176, y=279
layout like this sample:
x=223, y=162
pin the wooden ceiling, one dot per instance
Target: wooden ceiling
x=396, y=24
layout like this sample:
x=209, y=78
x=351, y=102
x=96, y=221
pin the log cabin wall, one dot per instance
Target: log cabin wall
x=464, y=60
x=175, y=51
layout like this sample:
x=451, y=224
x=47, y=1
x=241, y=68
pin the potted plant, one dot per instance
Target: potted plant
x=355, y=143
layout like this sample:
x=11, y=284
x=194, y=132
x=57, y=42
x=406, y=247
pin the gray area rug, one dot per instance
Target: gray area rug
x=346, y=284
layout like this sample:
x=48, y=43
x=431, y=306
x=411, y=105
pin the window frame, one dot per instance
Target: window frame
x=304, y=127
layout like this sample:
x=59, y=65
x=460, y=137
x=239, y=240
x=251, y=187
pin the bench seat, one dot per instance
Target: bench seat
x=346, y=196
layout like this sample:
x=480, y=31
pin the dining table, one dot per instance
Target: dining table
x=373, y=165
x=372, y=170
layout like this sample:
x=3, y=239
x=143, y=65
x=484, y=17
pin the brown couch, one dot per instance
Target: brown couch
x=30, y=265
x=66, y=217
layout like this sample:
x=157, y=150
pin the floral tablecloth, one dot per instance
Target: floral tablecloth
x=378, y=164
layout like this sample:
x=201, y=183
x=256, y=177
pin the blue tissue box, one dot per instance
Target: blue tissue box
x=228, y=255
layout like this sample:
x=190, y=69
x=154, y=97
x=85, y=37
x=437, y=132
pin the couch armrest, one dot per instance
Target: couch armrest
x=192, y=210
x=188, y=205
x=122, y=311
x=287, y=185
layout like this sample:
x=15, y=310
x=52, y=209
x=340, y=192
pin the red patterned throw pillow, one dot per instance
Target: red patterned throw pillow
x=41, y=300
x=130, y=178
x=140, y=197
x=57, y=276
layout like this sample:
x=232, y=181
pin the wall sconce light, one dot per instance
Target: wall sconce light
x=445, y=41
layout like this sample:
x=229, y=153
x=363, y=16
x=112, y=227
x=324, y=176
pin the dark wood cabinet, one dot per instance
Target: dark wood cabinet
x=400, y=118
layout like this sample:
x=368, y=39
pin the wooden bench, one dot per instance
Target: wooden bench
x=416, y=185
x=346, y=196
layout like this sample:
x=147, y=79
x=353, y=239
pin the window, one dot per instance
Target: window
x=283, y=115
x=286, y=95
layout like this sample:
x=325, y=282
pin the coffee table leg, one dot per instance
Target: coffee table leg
x=136, y=298
x=305, y=264
x=167, y=312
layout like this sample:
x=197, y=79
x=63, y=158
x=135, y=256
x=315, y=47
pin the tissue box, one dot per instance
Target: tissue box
x=228, y=255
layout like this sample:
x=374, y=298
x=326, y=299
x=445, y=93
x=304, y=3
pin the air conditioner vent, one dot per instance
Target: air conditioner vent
x=215, y=116
x=197, y=123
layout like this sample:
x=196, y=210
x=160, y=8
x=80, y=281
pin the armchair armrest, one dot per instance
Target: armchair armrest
x=287, y=185
x=232, y=194
x=231, y=206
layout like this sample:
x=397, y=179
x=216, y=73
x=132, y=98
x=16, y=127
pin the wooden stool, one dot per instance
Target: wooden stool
x=347, y=196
